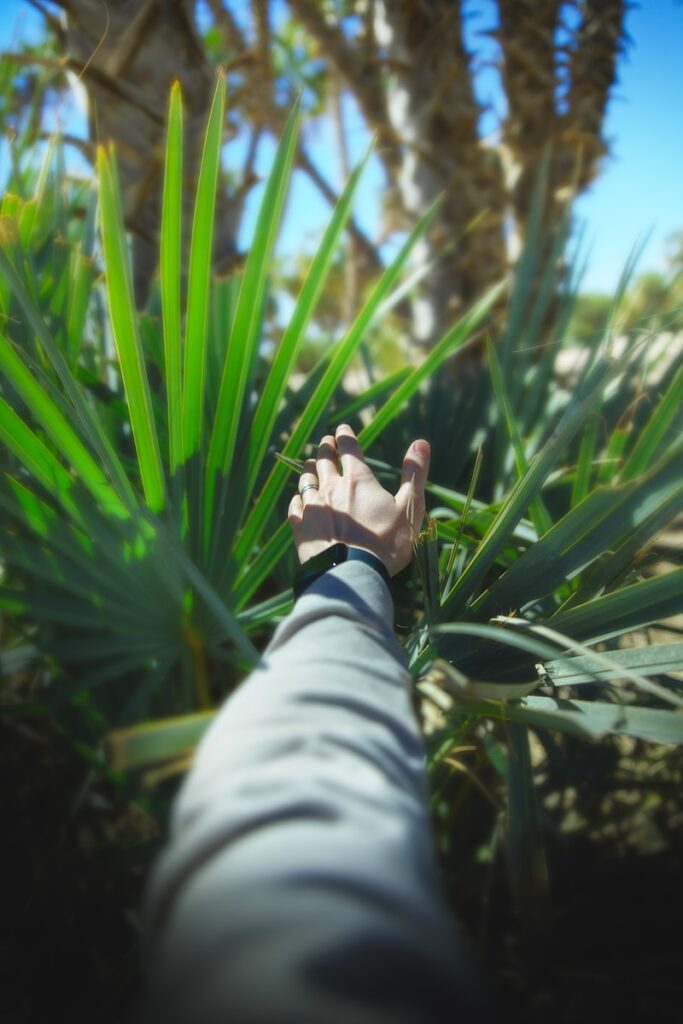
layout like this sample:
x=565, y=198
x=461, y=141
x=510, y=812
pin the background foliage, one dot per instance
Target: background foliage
x=145, y=557
x=403, y=67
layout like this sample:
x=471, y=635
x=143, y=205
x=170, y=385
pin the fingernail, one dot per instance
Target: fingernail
x=343, y=426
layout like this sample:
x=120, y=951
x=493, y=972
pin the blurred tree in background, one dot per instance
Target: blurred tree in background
x=406, y=65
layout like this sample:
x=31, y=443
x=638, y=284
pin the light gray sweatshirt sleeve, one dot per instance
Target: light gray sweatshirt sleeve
x=299, y=883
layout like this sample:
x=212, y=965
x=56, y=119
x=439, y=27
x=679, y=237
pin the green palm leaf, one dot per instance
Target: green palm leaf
x=245, y=335
x=632, y=607
x=454, y=339
x=85, y=416
x=126, y=335
x=58, y=429
x=34, y=455
x=199, y=274
x=285, y=356
x=650, y=440
x=170, y=271
x=529, y=486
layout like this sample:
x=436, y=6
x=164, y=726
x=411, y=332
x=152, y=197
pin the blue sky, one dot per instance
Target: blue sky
x=640, y=188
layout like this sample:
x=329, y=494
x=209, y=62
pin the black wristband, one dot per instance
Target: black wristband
x=314, y=567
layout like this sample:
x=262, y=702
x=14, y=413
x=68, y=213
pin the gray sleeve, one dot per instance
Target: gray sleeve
x=299, y=883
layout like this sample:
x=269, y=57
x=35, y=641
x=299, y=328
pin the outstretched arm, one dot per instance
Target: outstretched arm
x=300, y=884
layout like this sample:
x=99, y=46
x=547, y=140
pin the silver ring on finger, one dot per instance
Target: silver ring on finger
x=307, y=487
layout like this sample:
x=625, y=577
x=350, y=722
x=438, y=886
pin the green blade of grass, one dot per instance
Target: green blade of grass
x=126, y=336
x=199, y=275
x=170, y=272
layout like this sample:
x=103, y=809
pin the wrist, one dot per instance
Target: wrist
x=336, y=554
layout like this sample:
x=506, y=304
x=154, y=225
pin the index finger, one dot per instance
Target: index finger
x=349, y=450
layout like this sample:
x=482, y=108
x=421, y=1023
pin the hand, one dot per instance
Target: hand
x=353, y=508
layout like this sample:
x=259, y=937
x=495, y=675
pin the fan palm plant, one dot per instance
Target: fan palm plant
x=146, y=548
x=145, y=528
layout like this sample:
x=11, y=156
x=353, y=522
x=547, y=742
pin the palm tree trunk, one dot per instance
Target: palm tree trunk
x=556, y=96
x=434, y=115
x=128, y=52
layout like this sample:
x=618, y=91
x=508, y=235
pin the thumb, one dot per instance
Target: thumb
x=414, y=477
